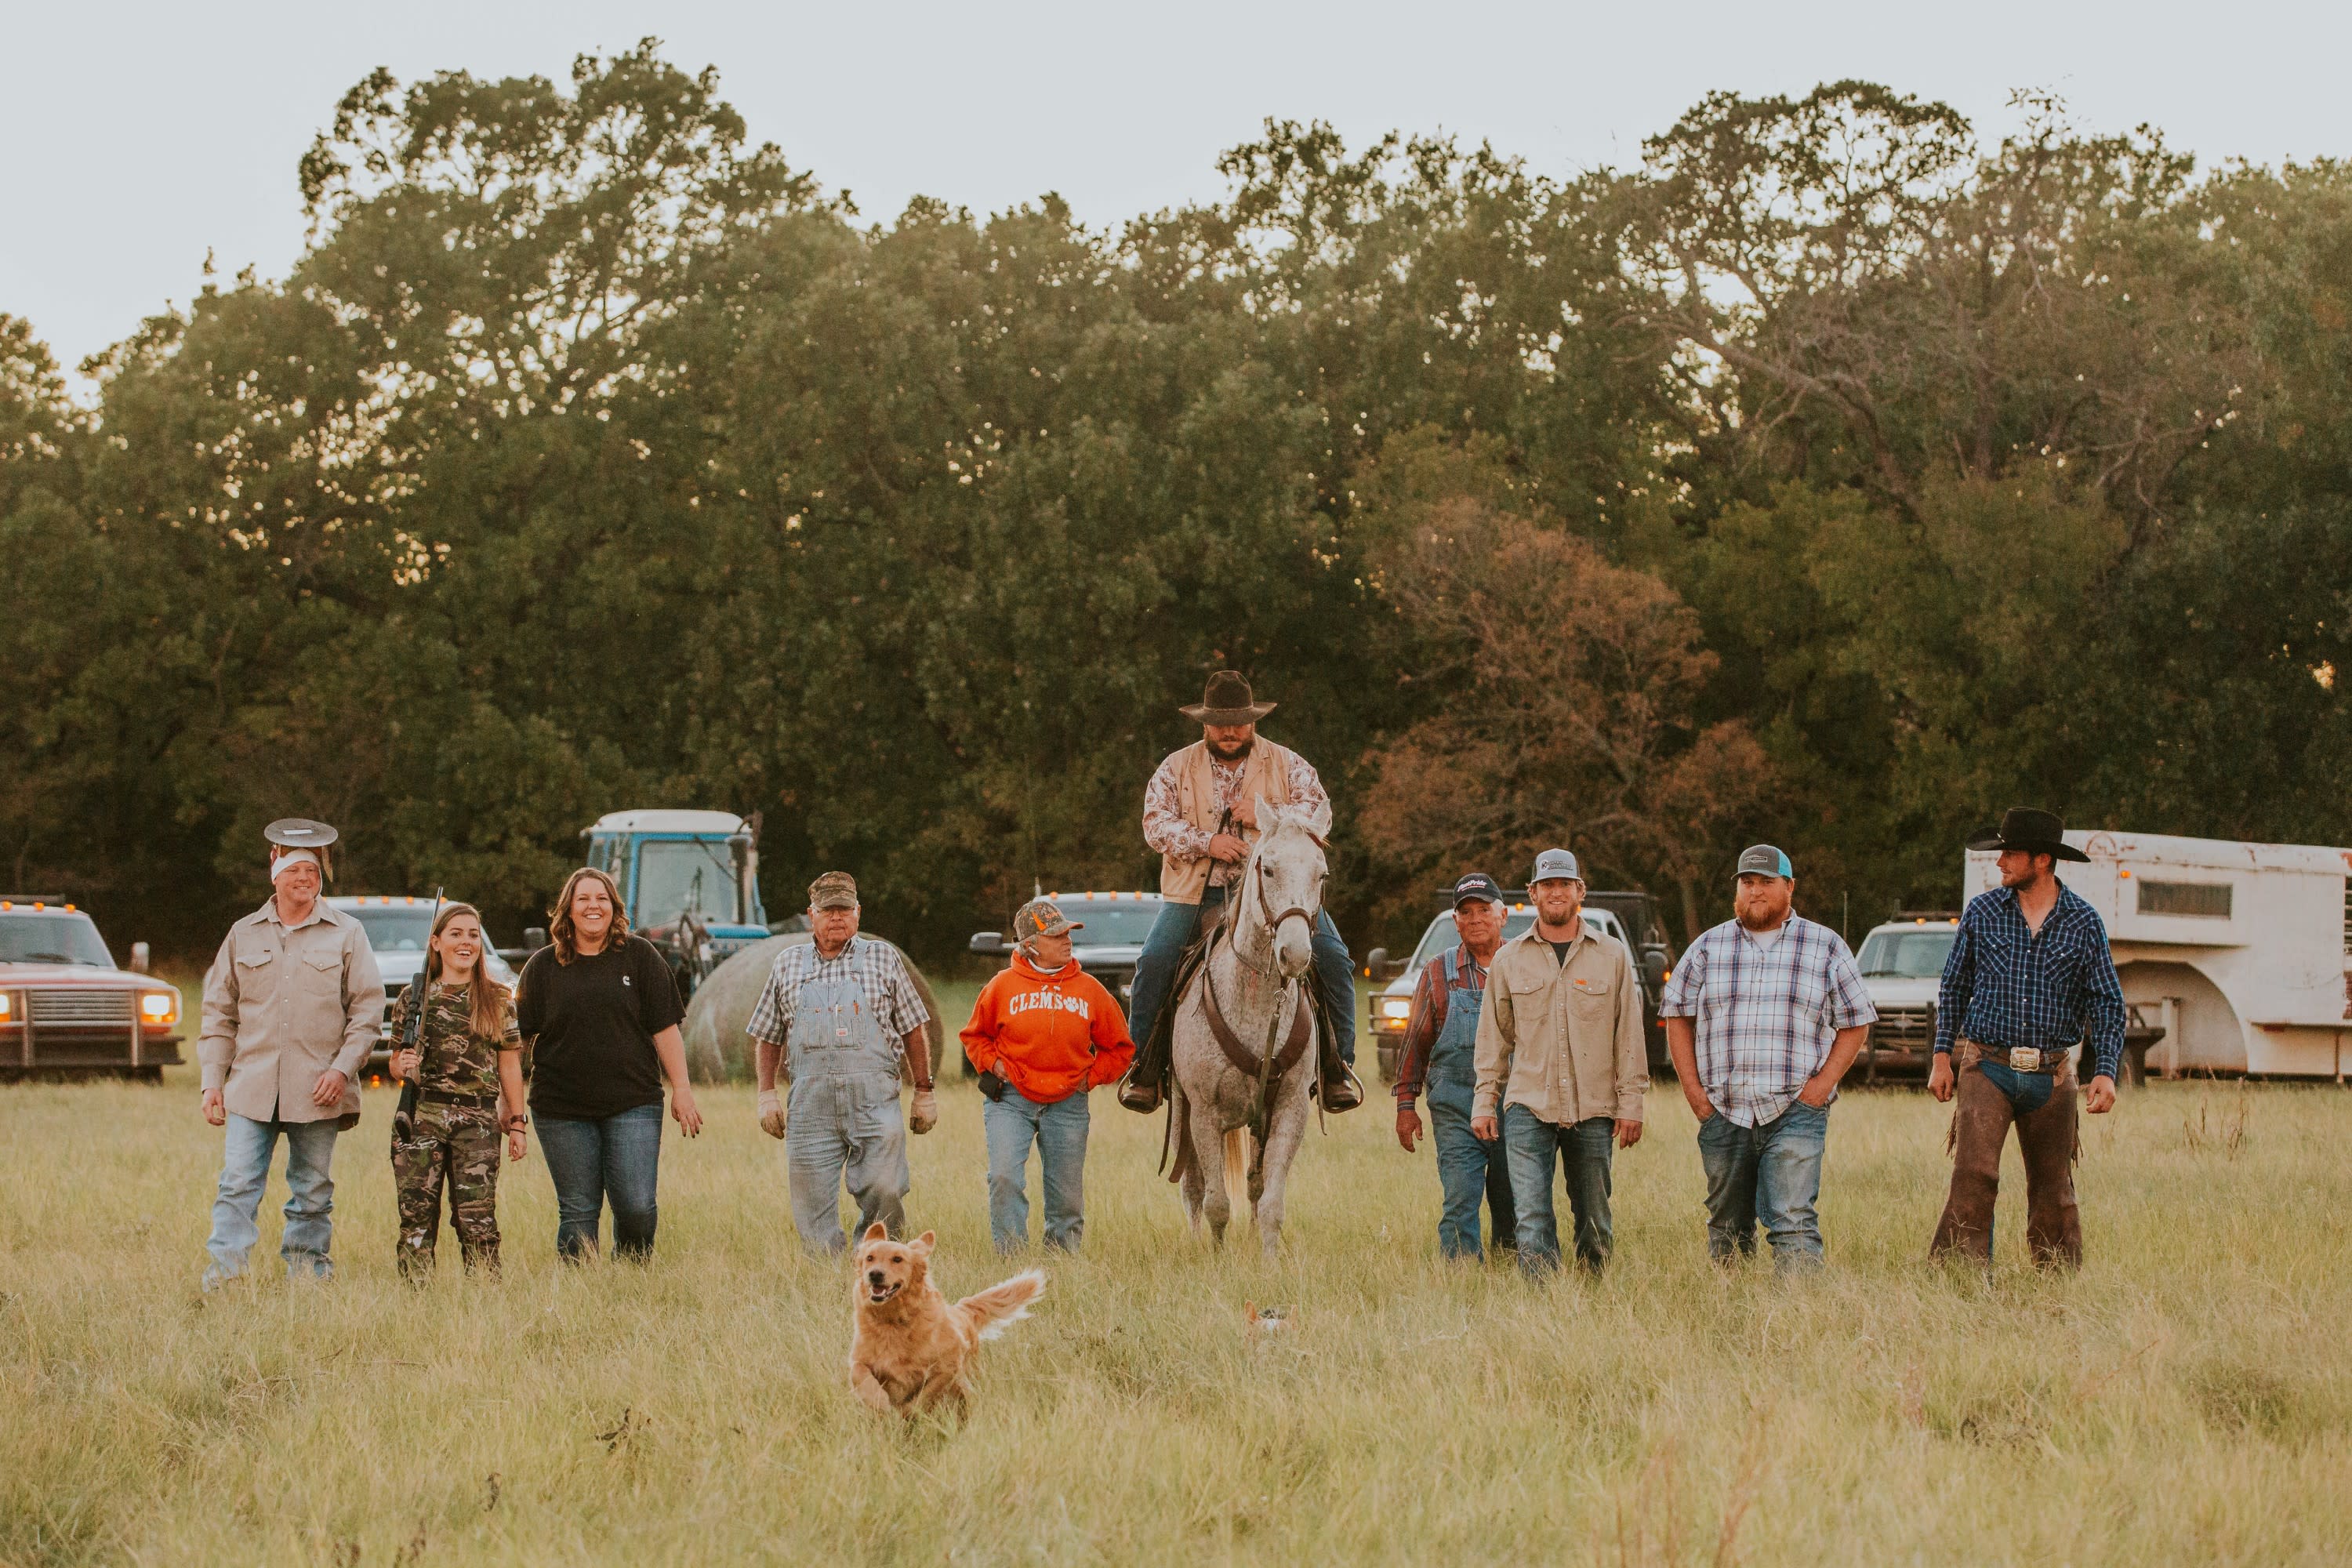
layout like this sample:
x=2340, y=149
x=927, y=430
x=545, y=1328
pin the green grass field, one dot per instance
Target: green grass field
x=2187, y=1398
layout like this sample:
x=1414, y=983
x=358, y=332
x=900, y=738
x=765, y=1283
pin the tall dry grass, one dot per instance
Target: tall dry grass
x=2187, y=1398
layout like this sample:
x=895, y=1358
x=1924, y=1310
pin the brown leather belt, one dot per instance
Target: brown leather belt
x=444, y=1097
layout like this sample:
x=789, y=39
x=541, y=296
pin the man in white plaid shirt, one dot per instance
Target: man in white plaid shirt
x=848, y=1012
x=1763, y=1016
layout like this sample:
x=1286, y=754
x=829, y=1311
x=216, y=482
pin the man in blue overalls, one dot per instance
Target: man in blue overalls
x=850, y=1013
x=1439, y=1050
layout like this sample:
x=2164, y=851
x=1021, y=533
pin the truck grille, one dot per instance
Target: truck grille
x=59, y=1006
x=1905, y=1028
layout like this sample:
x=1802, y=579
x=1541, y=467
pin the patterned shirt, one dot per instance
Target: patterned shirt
x=1428, y=1020
x=2005, y=985
x=881, y=975
x=452, y=1058
x=1166, y=830
x=1767, y=1015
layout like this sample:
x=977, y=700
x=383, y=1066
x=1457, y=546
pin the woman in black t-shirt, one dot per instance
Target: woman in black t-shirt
x=602, y=1014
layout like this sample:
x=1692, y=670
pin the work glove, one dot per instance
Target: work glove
x=771, y=1113
x=925, y=1114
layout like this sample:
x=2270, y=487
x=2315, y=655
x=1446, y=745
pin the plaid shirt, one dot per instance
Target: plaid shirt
x=875, y=965
x=1765, y=1016
x=2005, y=985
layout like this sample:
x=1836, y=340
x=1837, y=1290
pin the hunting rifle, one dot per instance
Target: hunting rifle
x=412, y=1035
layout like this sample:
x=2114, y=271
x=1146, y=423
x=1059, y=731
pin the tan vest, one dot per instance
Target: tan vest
x=1265, y=775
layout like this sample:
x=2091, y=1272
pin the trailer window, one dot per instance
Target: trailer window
x=2208, y=900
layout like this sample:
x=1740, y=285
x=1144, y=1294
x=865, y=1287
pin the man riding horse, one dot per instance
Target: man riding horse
x=1199, y=811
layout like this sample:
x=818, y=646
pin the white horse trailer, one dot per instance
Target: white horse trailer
x=2240, y=953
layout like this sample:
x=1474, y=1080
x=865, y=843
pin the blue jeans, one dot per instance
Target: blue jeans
x=1583, y=1149
x=1059, y=1131
x=1770, y=1173
x=1179, y=927
x=618, y=1159
x=309, y=1197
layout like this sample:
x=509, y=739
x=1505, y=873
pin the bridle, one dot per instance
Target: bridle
x=1256, y=872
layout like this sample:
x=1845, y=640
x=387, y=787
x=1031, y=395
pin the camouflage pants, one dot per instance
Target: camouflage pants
x=456, y=1146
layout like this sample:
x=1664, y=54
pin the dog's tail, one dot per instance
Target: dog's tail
x=999, y=1307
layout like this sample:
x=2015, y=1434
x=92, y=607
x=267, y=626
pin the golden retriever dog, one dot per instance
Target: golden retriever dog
x=910, y=1349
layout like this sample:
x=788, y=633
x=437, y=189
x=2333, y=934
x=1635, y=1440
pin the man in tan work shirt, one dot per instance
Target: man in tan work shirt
x=293, y=1004
x=1562, y=1065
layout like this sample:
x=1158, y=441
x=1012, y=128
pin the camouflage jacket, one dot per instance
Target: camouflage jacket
x=455, y=1061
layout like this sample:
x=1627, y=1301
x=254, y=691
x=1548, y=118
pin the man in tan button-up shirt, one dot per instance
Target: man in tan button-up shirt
x=293, y=1003
x=1563, y=1065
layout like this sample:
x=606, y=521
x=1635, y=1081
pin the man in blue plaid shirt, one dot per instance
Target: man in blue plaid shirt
x=1763, y=1016
x=2030, y=976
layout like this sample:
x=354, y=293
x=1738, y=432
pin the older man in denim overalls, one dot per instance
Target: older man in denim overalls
x=1440, y=1052
x=848, y=1011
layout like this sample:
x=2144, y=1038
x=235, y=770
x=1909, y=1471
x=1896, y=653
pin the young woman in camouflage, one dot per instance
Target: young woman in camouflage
x=470, y=1086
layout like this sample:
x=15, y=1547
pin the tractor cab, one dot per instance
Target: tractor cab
x=689, y=882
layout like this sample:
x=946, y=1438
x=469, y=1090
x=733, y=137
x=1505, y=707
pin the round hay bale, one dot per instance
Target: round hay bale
x=719, y=1050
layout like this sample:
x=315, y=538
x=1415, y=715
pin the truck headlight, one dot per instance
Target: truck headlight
x=160, y=1006
x=1396, y=1010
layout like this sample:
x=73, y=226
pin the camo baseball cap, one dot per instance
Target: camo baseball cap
x=1041, y=917
x=833, y=891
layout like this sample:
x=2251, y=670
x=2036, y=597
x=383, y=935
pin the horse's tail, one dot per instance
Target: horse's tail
x=1000, y=1307
x=1244, y=1180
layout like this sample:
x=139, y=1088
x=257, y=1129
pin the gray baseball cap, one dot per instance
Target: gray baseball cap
x=1554, y=863
x=1763, y=861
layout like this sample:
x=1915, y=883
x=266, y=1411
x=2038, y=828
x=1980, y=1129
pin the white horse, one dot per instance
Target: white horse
x=1252, y=990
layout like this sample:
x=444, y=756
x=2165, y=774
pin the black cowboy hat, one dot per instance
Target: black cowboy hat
x=2035, y=832
x=1226, y=701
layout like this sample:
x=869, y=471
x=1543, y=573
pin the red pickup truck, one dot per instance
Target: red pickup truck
x=67, y=1010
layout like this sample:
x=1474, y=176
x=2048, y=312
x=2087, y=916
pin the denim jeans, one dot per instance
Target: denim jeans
x=309, y=1200
x=1059, y=1131
x=1583, y=1150
x=619, y=1159
x=1770, y=1173
x=1178, y=926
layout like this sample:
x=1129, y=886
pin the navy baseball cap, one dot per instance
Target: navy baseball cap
x=1763, y=861
x=1476, y=885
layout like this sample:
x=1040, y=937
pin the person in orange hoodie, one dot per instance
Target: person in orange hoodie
x=1043, y=1033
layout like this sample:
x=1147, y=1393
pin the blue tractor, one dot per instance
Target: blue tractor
x=689, y=881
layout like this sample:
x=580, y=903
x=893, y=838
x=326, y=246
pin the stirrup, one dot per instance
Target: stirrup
x=1340, y=1094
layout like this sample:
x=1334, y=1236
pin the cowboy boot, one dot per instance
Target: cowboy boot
x=1146, y=1083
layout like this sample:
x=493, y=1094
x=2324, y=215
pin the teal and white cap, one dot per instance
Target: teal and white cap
x=1763, y=861
x=1553, y=864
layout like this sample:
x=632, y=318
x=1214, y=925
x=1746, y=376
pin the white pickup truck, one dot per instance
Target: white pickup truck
x=1391, y=1006
x=1902, y=965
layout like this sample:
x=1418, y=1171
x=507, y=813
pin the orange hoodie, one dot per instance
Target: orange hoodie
x=1050, y=1036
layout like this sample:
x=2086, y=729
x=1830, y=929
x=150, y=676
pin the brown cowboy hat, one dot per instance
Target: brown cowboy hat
x=2035, y=832
x=1226, y=701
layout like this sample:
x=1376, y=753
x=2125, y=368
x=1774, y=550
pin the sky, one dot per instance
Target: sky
x=140, y=136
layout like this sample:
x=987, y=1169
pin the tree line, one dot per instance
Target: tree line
x=1830, y=476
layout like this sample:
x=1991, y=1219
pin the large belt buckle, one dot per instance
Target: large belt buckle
x=2022, y=1058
